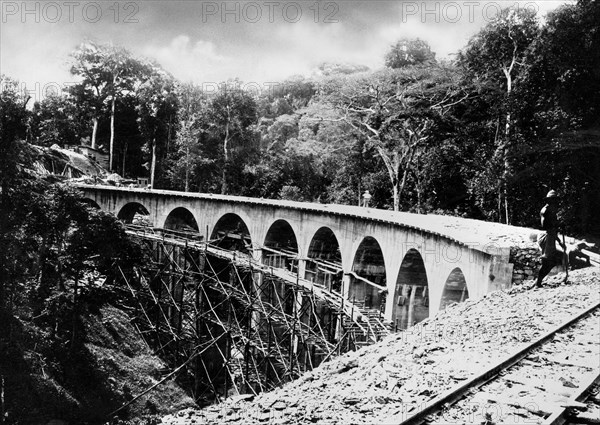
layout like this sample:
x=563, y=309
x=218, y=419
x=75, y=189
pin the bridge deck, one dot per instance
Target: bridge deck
x=476, y=234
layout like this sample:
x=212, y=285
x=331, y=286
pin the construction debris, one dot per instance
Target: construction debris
x=383, y=383
x=64, y=162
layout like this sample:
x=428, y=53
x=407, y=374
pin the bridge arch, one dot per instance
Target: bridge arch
x=324, y=263
x=231, y=233
x=369, y=265
x=485, y=270
x=411, y=297
x=280, y=248
x=455, y=289
x=134, y=213
x=181, y=219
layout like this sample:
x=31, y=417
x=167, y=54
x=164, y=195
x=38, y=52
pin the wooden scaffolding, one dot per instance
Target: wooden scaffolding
x=231, y=325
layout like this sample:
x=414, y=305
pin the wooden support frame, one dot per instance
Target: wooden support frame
x=270, y=326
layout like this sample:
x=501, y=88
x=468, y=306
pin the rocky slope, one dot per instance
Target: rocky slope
x=47, y=379
x=382, y=383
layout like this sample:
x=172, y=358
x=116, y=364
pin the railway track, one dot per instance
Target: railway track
x=553, y=380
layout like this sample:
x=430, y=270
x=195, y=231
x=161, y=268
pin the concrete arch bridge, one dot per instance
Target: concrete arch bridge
x=406, y=266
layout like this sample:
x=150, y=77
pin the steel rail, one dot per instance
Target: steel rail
x=455, y=394
x=560, y=415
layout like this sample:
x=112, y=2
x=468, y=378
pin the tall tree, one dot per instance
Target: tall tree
x=188, y=153
x=496, y=55
x=397, y=111
x=409, y=52
x=56, y=119
x=232, y=119
x=123, y=72
x=558, y=108
x=157, y=111
x=108, y=72
x=89, y=63
x=13, y=116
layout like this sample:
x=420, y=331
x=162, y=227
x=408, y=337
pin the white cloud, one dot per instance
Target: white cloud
x=187, y=60
x=300, y=48
x=276, y=54
x=443, y=41
x=447, y=27
x=262, y=52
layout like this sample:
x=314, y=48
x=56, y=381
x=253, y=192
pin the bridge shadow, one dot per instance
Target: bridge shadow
x=134, y=213
x=411, y=302
x=324, y=263
x=370, y=291
x=455, y=289
x=231, y=233
x=181, y=219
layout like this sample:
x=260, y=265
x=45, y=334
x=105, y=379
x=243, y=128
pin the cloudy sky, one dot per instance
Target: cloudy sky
x=211, y=41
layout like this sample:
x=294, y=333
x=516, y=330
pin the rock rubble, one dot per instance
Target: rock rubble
x=382, y=383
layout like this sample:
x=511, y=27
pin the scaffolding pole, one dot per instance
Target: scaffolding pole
x=268, y=326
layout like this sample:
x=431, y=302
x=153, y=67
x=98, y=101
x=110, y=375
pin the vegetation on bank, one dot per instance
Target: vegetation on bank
x=67, y=348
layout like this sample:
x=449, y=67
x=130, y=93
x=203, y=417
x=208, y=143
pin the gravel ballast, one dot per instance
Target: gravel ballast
x=382, y=383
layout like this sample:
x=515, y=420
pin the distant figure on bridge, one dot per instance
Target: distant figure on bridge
x=547, y=239
x=366, y=199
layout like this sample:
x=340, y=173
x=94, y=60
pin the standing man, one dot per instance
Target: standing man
x=547, y=240
x=366, y=199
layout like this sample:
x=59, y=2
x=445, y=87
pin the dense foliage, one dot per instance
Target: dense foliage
x=50, y=237
x=485, y=136
x=57, y=263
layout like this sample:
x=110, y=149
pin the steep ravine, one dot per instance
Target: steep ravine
x=46, y=380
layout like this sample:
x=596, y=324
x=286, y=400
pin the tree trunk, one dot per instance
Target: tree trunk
x=418, y=183
x=399, y=188
x=507, y=144
x=95, y=120
x=153, y=165
x=124, y=158
x=507, y=167
x=224, y=188
x=187, y=169
x=506, y=204
x=94, y=131
x=500, y=204
x=1, y=398
x=112, y=133
x=169, y=136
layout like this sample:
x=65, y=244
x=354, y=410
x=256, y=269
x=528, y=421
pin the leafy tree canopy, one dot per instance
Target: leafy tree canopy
x=409, y=52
